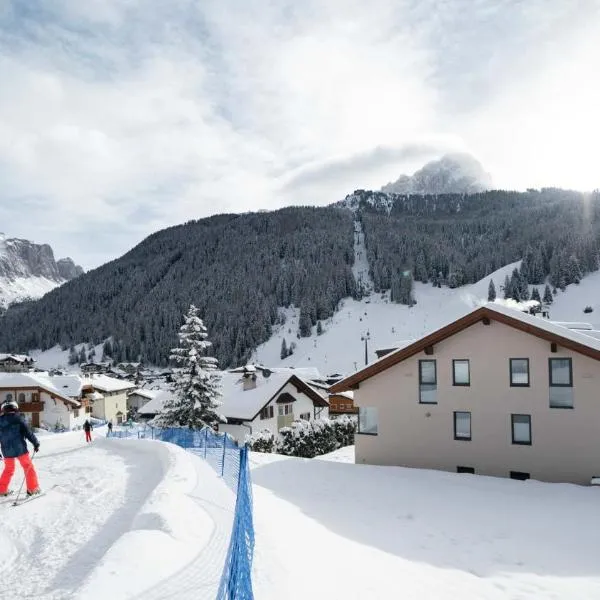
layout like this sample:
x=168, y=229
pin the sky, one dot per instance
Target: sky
x=121, y=117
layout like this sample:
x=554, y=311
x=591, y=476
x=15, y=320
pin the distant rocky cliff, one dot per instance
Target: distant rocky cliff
x=29, y=270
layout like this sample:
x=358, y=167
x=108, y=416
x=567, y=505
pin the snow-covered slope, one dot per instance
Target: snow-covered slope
x=453, y=173
x=341, y=347
x=28, y=270
x=325, y=529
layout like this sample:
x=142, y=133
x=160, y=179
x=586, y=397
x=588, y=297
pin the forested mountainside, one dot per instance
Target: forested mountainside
x=237, y=269
x=458, y=239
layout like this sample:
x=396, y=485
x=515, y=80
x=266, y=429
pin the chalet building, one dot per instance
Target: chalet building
x=256, y=398
x=15, y=363
x=108, y=396
x=49, y=402
x=497, y=392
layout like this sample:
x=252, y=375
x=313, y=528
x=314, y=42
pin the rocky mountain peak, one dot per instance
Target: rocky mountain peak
x=457, y=173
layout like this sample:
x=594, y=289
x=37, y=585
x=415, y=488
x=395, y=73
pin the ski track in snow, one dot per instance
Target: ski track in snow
x=199, y=579
x=48, y=535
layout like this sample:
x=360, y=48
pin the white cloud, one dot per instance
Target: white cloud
x=123, y=117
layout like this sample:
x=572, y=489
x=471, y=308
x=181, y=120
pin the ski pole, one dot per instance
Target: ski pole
x=25, y=478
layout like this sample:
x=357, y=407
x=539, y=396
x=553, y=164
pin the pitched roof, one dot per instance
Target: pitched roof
x=238, y=403
x=537, y=326
x=154, y=406
x=35, y=380
x=104, y=383
x=144, y=393
x=16, y=357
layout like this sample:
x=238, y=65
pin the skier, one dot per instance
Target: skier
x=13, y=433
x=87, y=427
x=109, y=429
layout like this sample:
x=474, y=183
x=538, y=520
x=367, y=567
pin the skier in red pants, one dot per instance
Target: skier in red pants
x=87, y=427
x=13, y=433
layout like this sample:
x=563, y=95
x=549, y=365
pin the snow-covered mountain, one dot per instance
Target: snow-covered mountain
x=453, y=173
x=29, y=270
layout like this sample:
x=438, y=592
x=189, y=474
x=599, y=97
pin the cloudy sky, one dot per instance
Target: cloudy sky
x=121, y=117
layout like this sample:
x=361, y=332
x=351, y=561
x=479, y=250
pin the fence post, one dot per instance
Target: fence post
x=224, y=448
x=205, y=440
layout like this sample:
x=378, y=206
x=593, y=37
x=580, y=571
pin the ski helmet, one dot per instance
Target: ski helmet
x=10, y=405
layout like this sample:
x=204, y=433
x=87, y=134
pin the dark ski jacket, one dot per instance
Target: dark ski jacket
x=13, y=432
x=87, y=426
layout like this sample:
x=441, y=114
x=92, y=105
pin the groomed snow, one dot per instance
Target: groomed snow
x=325, y=529
x=119, y=517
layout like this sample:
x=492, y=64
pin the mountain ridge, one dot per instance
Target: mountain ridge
x=29, y=270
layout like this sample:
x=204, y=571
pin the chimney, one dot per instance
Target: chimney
x=249, y=381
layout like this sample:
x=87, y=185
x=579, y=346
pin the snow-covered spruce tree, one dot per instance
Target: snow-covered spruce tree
x=491, y=291
x=284, y=351
x=548, y=298
x=196, y=383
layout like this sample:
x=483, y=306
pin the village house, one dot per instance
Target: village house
x=50, y=402
x=138, y=397
x=497, y=392
x=108, y=395
x=154, y=406
x=15, y=363
x=256, y=398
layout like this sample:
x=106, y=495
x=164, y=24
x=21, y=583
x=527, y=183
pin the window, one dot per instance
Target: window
x=461, y=373
x=8, y=397
x=368, y=420
x=521, y=429
x=462, y=425
x=76, y=412
x=561, y=382
x=266, y=412
x=284, y=409
x=305, y=416
x=427, y=382
x=519, y=475
x=470, y=470
x=519, y=372
x=21, y=398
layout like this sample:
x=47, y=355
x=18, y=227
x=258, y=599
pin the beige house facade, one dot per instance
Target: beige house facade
x=498, y=392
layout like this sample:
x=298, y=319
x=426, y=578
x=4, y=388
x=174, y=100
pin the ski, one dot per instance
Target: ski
x=27, y=499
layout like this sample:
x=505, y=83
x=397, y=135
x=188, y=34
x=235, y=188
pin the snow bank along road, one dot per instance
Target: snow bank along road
x=119, y=517
x=330, y=530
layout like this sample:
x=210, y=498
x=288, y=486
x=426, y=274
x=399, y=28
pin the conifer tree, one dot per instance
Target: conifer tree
x=535, y=295
x=548, y=298
x=284, y=351
x=491, y=291
x=319, y=328
x=196, y=384
x=507, y=288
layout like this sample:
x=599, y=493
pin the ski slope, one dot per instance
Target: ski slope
x=134, y=517
x=330, y=530
x=341, y=347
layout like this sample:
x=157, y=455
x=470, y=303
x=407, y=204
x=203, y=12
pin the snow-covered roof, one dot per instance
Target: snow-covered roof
x=144, y=393
x=104, y=383
x=574, y=325
x=155, y=405
x=546, y=325
x=95, y=396
x=16, y=357
x=70, y=385
x=34, y=380
x=245, y=404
